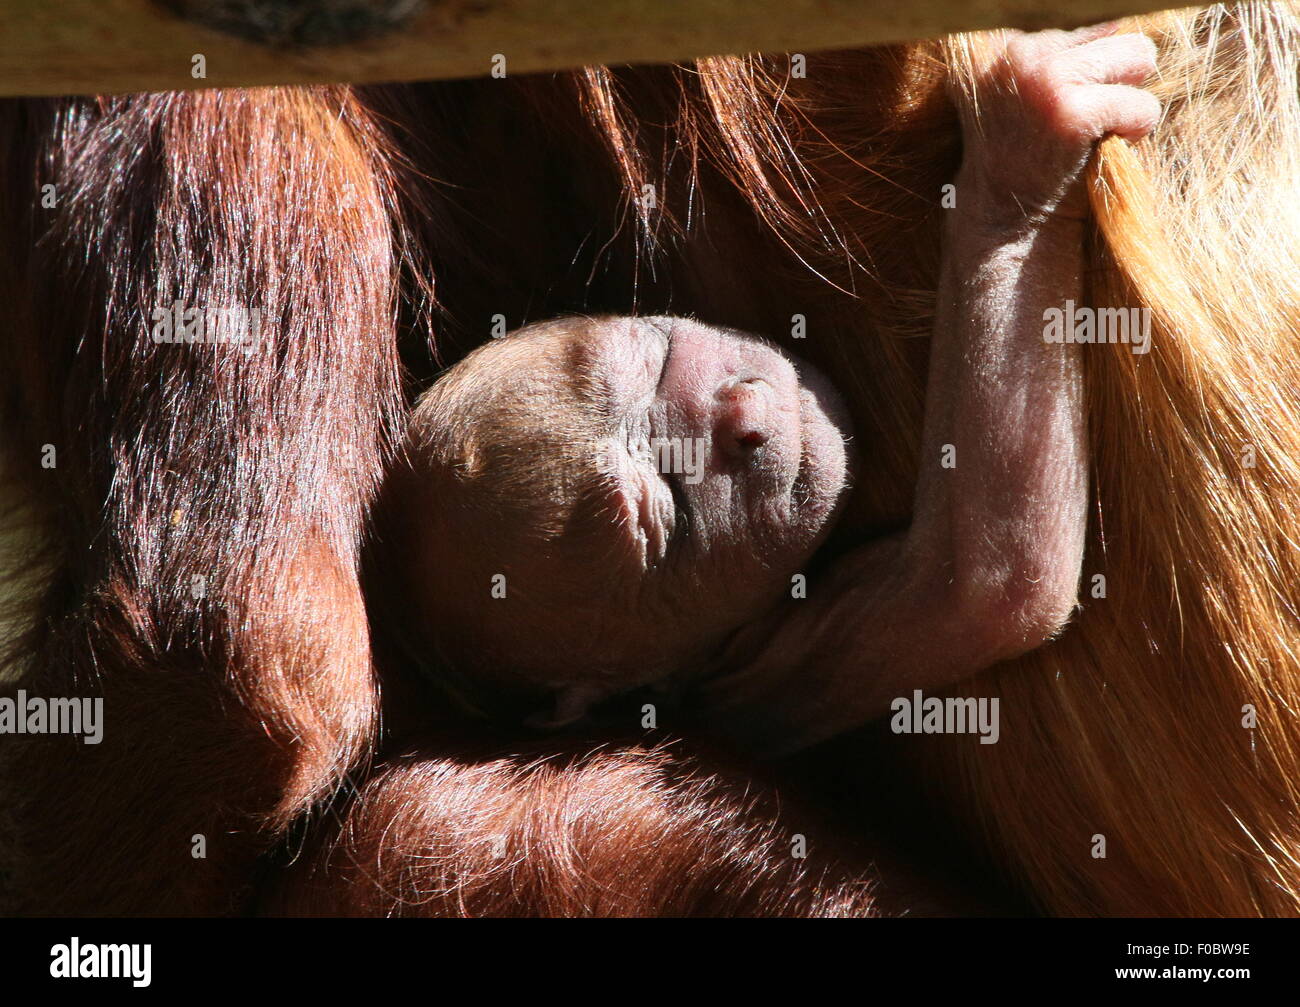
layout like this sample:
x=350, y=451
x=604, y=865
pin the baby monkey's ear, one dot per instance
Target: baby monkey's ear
x=572, y=704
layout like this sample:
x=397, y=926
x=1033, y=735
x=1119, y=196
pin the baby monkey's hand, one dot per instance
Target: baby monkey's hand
x=1034, y=106
x=989, y=567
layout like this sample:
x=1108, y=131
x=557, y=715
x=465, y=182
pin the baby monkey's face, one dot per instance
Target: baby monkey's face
x=644, y=485
x=727, y=460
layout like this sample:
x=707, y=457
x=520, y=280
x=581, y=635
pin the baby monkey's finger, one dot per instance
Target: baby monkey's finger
x=1099, y=109
x=1058, y=40
x=1116, y=59
x=1090, y=33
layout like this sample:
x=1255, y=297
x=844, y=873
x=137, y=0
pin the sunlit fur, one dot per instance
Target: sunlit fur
x=230, y=709
x=1131, y=726
x=1137, y=718
x=624, y=831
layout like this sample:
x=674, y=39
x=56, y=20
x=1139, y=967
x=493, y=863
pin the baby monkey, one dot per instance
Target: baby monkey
x=597, y=504
x=592, y=505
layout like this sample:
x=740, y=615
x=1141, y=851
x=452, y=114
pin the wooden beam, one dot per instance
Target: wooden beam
x=88, y=46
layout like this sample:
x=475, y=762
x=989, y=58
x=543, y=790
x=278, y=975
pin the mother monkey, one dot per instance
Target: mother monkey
x=206, y=504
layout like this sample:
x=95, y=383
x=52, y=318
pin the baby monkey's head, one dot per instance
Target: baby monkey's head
x=594, y=504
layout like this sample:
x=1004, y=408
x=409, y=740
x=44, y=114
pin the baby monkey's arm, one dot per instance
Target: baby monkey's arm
x=990, y=566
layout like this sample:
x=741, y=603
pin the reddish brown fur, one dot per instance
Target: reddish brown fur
x=235, y=717
x=575, y=834
x=227, y=715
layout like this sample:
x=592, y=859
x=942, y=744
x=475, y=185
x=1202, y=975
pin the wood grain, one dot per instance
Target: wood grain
x=90, y=46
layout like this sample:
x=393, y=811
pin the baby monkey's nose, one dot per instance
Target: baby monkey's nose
x=742, y=417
